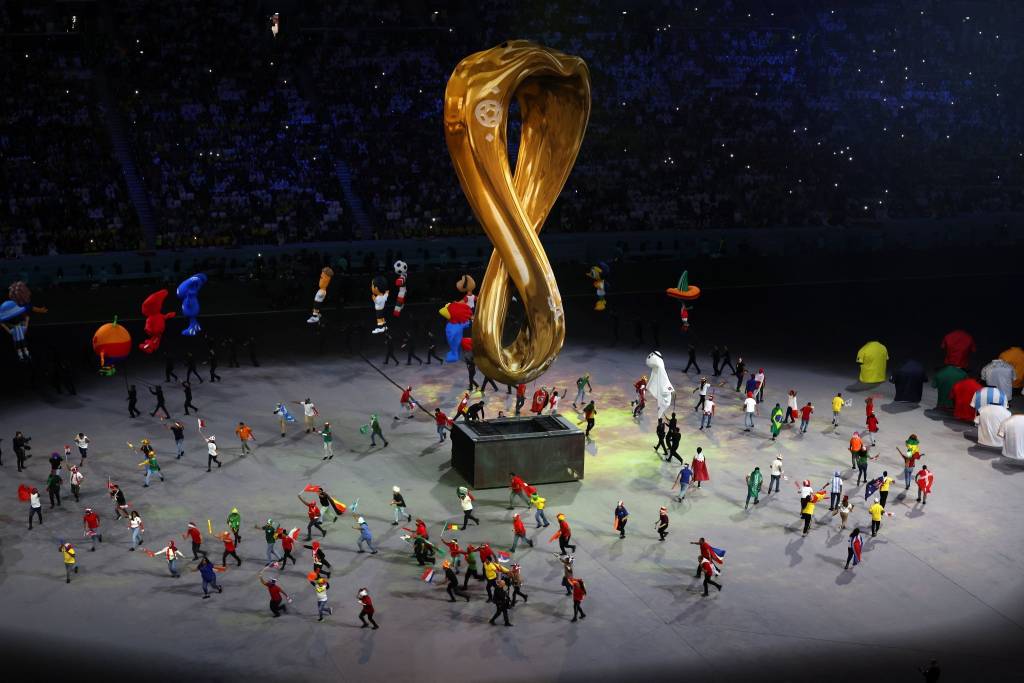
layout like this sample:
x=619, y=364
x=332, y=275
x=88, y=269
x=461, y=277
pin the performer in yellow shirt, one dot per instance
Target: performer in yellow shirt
x=883, y=489
x=491, y=569
x=837, y=407
x=876, y=511
x=70, y=564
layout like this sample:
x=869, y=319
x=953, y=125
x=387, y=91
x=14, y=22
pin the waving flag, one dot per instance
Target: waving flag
x=24, y=492
x=451, y=527
x=503, y=556
x=311, y=488
x=872, y=486
x=857, y=545
x=718, y=551
x=201, y=422
x=428, y=575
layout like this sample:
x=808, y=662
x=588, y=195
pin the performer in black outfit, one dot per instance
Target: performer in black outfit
x=431, y=349
x=132, y=401
x=188, y=397
x=190, y=363
x=169, y=368
x=389, y=349
x=409, y=343
x=159, y=393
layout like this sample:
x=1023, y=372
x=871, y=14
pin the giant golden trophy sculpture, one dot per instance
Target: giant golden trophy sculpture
x=553, y=92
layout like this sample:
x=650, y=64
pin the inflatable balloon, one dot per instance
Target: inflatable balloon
x=152, y=309
x=14, y=320
x=112, y=343
x=20, y=294
x=597, y=275
x=958, y=347
x=321, y=293
x=684, y=291
x=188, y=292
x=872, y=358
x=459, y=316
x=659, y=386
x=379, y=296
x=466, y=285
x=402, y=271
x=15, y=314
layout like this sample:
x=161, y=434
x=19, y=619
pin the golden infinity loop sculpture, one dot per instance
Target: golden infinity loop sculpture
x=553, y=93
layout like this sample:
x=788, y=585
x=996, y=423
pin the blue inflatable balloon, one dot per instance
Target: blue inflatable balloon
x=188, y=292
x=10, y=310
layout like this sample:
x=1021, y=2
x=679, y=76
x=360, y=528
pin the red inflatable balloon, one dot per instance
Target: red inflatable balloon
x=155, y=320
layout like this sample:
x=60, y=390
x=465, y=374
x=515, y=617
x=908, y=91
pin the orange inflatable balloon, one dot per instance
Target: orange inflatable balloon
x=112, y=343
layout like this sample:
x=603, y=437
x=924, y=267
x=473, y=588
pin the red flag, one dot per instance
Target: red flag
x=530, y=490
x=554, y=536
x=202, y=423
x=24, y=492
x=311, y=488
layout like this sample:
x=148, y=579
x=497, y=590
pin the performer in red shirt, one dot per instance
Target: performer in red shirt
x=924, y=480
x=91, y=521
x=454, y=550
x=872, y=425
x=640, y=402
x=192, y=533
x=229, y=549
x=460, y=410
x=276, y=594
x=287, y=544
x=520, y=397
x=407, y=402
x=519, y=532
x=579, y=591
x=540, y=400
x=805, y=417
x=709, y=570
x=706, y=551
x=441, y=422
x=315, y=517
x=367, y=608
x=564, y=535
x=518, y=488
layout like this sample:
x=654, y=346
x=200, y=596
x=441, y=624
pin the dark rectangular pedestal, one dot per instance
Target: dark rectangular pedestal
x=541, y=450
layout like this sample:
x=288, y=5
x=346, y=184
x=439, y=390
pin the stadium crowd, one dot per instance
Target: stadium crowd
x=704, y=115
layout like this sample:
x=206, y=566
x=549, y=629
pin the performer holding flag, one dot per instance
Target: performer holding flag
x=856, y=545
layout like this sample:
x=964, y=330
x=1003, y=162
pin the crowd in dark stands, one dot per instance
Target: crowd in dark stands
x=63, y=191
x=724, y=114
x=230, y=150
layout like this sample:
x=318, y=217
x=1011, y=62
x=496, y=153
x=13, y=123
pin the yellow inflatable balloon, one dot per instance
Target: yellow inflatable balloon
x=553, y=93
